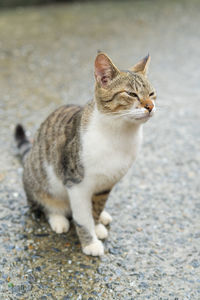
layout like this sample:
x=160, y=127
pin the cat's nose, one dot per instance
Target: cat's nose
x=149, y=106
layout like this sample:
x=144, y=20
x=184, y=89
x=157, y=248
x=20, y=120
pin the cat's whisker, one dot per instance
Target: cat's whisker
x=134, y=113
x=161, y=105
x=129, y=112
x=123, y=115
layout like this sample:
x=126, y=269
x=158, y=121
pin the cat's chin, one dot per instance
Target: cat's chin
x=143, y=119
x=138, y=120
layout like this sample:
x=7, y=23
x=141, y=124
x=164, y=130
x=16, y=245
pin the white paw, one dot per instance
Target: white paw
x=101, y=231
x=94, y=249
x=105, y=218
x=59, y=223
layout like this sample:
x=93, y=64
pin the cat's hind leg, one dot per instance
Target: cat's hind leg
x=105, y=218
x=56, y=210
x=58, y=223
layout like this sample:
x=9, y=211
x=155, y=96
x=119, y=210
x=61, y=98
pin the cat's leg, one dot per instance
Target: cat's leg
x=80, y=200
x=101, y=217
x=58, y=222
x=56, y=211
x=105, y=218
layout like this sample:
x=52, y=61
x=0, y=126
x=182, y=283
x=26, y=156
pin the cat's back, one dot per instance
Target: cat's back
x=55, y=139
x=58, y=123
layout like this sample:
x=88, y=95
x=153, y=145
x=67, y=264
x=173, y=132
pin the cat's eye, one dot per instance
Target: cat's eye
x=151, y=94
x=131, y=94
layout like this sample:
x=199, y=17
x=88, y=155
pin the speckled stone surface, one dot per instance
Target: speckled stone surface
x=46, y=59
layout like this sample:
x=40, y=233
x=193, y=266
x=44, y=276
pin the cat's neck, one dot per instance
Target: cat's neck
x=113, y=123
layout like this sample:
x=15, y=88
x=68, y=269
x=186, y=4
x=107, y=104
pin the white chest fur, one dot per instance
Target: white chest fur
x=109, y=149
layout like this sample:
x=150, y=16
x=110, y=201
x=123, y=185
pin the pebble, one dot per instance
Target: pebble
x=56, y=249
x=83, y=266
x=114, y=251
x=195, y=263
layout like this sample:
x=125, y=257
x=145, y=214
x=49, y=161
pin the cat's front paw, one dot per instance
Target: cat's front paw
x=95, y=248
x=101, y=231
x=59, y=223
x=105, y=218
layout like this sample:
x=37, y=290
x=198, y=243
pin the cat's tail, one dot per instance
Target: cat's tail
x=23, y=143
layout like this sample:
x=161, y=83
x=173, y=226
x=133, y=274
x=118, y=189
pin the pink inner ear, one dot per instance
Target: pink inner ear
x=103, y=70
x=104, y=79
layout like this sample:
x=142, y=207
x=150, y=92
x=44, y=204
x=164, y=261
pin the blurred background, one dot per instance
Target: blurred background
x=47, y=53
x=15, y=3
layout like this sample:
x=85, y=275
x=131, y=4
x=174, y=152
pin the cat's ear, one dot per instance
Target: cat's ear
x=142, y=66
x=105, y=70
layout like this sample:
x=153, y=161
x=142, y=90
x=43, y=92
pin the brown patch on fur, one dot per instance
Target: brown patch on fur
x=98, y=204
x=49, y=201
x=85, y=236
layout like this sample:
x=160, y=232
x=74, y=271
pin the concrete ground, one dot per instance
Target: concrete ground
x=46, y=59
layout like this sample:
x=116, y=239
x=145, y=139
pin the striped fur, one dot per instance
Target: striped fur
x=80, y=153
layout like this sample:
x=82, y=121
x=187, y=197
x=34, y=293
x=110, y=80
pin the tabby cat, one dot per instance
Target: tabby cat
x=80, y=153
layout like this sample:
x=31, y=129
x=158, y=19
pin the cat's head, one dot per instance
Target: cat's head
x=125, y=94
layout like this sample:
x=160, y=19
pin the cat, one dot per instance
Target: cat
x=80, y=153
